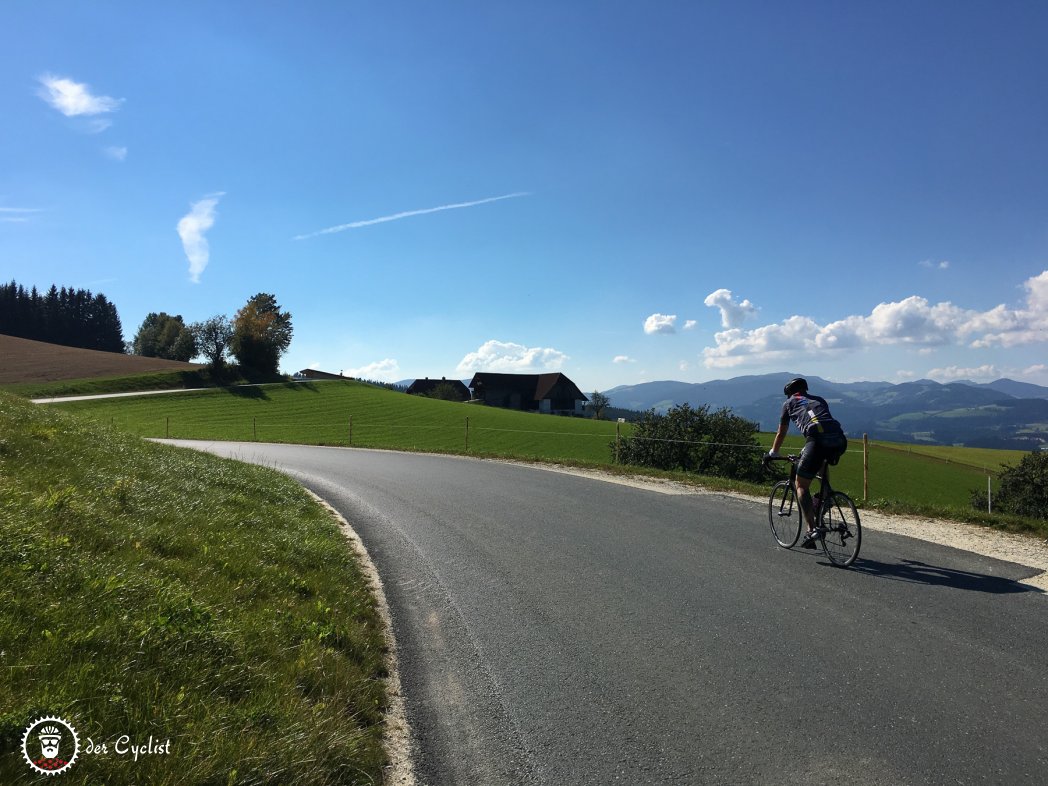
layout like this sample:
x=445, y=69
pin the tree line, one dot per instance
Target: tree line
x=257, y=335
x=72, y=317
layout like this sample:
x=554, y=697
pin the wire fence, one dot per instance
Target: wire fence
x=564, y=444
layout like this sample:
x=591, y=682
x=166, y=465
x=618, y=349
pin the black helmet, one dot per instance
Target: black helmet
x=795, y=385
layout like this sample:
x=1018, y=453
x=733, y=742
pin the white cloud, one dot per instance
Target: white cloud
x=684, y=365
x=409, y=213
x=1037, y=373
x=73, y=99
x=499, y=356
x=732, y=314
x=17, y=215
x=1004, y=327
x=910, y=322
x=928, y=263
x=386, y=370
x=660, y=323
x=116, y=153
x=952, y=373
x=690, y=324
x=623, y=359
x=191, y=229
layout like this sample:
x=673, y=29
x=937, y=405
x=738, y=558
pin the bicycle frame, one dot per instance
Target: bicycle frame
x=825, y=489
x=835, y=516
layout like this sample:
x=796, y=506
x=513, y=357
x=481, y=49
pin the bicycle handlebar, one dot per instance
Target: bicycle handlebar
x=766, y=461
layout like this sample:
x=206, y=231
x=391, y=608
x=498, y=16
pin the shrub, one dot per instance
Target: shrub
x=694, y=440
x=1023, y=488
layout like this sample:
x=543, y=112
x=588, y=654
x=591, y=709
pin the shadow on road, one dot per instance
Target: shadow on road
x=917, y=572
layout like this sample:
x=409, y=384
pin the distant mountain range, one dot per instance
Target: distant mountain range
x=1000, y=414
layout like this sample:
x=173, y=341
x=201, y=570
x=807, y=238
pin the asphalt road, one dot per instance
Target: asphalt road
x=560, y=630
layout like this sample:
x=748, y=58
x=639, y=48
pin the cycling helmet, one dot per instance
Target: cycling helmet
x=795, y=385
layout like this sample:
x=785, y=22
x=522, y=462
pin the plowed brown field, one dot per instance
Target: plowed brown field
x=22, y=360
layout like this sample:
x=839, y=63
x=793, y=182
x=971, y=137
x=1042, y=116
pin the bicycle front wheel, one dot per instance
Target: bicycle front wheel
x=784, y=514
x=843, y=532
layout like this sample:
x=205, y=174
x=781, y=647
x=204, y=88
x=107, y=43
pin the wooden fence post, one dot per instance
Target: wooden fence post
x=865, y=467
x=618, y=436
x=167, y=428
x=351, y=431
x=254, y=427
x=467, y=434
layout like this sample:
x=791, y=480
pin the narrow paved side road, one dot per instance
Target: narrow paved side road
x=555, y=629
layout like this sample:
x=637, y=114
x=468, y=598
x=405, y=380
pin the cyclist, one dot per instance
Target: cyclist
x=824, y=441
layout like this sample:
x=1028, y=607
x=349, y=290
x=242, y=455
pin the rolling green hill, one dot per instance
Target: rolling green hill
x=322, y=413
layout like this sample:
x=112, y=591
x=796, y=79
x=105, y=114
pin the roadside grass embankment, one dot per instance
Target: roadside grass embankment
x=151, y=591
x=932, y=481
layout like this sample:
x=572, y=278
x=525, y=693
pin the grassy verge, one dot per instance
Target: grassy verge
x=146, y=590
x=156, y=380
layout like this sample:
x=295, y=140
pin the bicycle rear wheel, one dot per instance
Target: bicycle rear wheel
x=784, y=514
x=843, y=532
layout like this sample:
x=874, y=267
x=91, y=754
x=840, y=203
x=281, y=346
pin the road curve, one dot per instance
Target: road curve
x=559, y=630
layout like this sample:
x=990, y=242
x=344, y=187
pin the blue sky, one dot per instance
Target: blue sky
x=624, y=192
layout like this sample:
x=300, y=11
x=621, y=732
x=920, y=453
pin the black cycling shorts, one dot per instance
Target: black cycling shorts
x=825, y=447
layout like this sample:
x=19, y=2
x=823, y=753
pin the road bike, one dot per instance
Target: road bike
x=840, y=531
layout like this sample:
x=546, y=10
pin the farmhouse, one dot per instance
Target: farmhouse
x=424, y=387
x=312, y=373
x=549, y=393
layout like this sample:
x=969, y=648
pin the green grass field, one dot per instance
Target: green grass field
x=147, y=590
x=906, y=478
x=319, y=413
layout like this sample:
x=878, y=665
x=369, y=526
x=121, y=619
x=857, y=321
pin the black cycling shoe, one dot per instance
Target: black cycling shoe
x=810, y=537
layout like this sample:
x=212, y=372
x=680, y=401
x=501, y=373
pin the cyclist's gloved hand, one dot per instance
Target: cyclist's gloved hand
x=772, y=454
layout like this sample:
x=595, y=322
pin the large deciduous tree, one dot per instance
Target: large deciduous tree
x=261, y=334
x=212, y=339
x=598, y=404
x=165, y=336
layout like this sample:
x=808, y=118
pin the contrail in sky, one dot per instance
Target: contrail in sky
x=409, y=213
